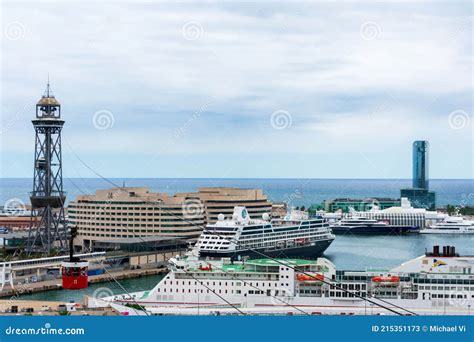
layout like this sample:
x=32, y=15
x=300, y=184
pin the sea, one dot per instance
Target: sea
x=296, y=192
x=346, y=252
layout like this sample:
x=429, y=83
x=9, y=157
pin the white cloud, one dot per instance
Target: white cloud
x=307, y=58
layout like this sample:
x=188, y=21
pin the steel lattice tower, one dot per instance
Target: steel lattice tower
x=47, y=197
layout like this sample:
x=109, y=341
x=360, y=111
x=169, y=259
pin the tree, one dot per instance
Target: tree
x=450, y=209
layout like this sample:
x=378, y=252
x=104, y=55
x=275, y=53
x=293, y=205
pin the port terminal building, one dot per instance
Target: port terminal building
x=118, y=216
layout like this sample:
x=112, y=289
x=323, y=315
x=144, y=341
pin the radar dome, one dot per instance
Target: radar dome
x=221, y=217
x=265, y=216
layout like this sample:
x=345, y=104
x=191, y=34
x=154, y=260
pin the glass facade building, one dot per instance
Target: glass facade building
x=420, y=198
x=419, y=195
x=420, y=164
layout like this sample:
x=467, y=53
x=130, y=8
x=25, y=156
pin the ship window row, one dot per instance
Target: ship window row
x=445, y=288
x=220, y=283
x=339, y=294
x=226, y=276
x=444, y=281
x=440, y=295
x=350, y=286
x=313, y=292
x=170, y=290
x=295, y=234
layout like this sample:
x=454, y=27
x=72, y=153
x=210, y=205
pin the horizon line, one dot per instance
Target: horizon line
x=276, y=178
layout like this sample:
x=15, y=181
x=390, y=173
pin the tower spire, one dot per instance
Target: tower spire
x=48, y=92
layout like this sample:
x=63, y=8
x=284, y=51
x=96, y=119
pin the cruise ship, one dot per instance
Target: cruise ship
x=451, y=225
x=240, y=236
x=432, y=284
x=364, y=225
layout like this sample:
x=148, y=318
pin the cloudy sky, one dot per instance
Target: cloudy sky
x=282, y=89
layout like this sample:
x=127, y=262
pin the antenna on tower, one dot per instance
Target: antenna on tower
x=48, y=92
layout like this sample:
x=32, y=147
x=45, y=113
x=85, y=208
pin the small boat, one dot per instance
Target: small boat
x=363, y=225
x=386, y=279
x=451, y=225
x=309, y=277
x=205, y=268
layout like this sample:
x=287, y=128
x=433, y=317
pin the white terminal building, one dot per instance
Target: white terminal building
x=404, y=215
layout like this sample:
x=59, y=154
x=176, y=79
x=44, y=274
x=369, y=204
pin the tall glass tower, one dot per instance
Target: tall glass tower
x=420, y=164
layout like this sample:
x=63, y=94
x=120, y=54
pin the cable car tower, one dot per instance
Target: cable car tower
x=47, y=197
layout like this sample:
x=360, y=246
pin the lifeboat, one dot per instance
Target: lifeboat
x=386, y=279
x=307, y=277
x=205, y=268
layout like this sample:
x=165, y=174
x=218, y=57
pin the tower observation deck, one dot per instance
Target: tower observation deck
x=47, y=197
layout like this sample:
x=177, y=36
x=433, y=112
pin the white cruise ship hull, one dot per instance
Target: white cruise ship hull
x=194, y=304
x=446, y=231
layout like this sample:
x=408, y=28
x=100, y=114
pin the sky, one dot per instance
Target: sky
x=235, y=89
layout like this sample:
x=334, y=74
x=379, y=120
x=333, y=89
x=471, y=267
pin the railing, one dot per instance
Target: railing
x=50, y=260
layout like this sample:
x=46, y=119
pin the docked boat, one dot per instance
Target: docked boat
x=451, y=225
x=240, y=236
x=364, y=225
x=434, y=283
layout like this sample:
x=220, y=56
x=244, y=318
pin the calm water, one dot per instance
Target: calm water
x=295, y=191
